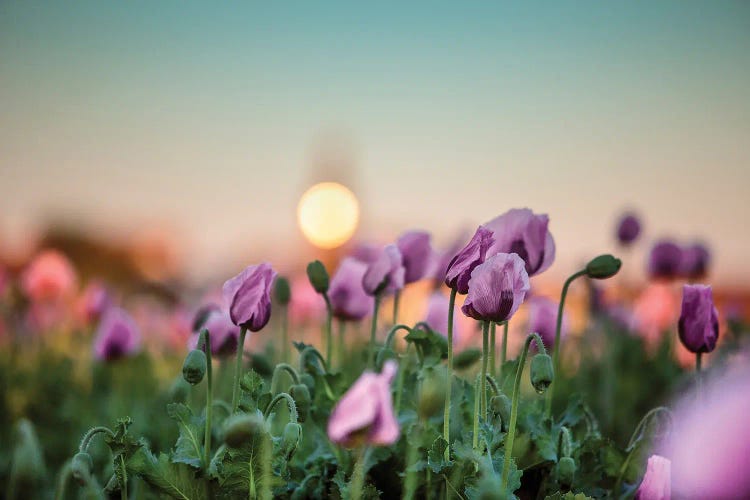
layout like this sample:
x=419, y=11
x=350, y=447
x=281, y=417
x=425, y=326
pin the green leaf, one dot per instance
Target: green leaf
x=436, y=458
x=173, y=479
x=432, y=347
x=188, y=448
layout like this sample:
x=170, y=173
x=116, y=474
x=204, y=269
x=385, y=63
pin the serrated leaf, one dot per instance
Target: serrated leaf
x=188, y=448
x=169, y=478
x=436, y=456
x=432, y=347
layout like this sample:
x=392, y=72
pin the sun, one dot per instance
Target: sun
x=328, y=214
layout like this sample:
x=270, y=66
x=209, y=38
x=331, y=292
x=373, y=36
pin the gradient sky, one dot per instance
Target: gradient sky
x=205, y=118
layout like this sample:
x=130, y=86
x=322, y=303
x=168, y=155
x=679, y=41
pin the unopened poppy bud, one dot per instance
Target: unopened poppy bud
x=242, y=428
x=500, y=407
x=566, y=470
x=318, y=276
x=290, y=439
x=465, y=359
x=309, y=382
x=431, y=393
x=603, y=267
x=542, y=372
x=301, y=395
x=282, y=291
x=194, y=367
x=81, y=467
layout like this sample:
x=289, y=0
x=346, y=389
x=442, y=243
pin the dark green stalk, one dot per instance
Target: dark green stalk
x=238, y=369
x=449, y=383
x=329, y=327
x=493, y=347
x=485, y=348
x=206, y=337
x=373, y=330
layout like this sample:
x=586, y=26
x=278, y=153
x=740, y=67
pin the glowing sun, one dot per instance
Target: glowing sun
x=328, y=214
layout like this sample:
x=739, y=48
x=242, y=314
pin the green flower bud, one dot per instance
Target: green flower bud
x=81, y=467
x=465, y=359
x=194, y=367
x=261, y=365
x=542, y=372
x=309, y=381
x=282, y=291
x=566, y=470
x=301, y=395
x=291, y=439
x=242, y=428
x=318, y=276
x=603, y=267
x=500, y=407
x=431, y=397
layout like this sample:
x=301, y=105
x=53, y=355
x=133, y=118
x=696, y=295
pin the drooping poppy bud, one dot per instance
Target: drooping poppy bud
x=497, y=288
x=194, y=367
x=249, y=296
x=318, y=276
x=81, y=467
x=500, y=406
x=459, y=270
x=603, y=267
x=566, y=470
x=282, y=291
x=290, y=439
x=628, y=229
x=302, y=400
x=417, y=254
x=698, y=326
x=526, y=234
x=657, y=482
x=242, y=428
x=542, y=372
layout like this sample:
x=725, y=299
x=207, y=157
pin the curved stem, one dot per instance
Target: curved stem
x=392, y=334
x=564, y=445
x=306, y=352
x=84, y=446
x=449, y=384
x=558, y=346
x=275, y=377
x=238, y=369
x=290, y=404
x=373, y=330
x=514, y=407
x=329, y=334
x=206, y=338
x=493, y=347
x=493, y=385
x=485, y=349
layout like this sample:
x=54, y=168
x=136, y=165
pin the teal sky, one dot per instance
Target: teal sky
x=205, y=118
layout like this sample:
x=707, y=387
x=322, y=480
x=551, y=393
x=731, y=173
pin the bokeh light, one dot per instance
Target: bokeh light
x=328, y=214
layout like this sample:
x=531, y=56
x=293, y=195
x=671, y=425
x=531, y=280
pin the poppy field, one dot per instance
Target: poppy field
x=322, y=385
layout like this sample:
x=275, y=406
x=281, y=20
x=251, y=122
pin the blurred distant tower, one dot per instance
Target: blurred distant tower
x=328, y=212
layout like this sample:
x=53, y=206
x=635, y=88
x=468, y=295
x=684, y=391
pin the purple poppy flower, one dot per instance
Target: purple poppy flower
x=348, y=298
x=695, y=261
x=665, y=260
x=543, y=320
x=224, y=333
x=366, y=252
x=437, y=316
x=459, y=270
x=525, y=233
x=416, y=253
x=497, y=288
x=710, y=440
x=657, y=482
x=386, y=273
x=699, y=321
x=365, y=412
x=248, y=296
x=117, y=336
x=94, y=300
x=628, y=229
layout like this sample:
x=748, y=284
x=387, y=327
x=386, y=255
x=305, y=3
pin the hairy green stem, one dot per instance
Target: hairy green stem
x=392, y=334
x=290, y=404
x=373, y=330
x=504, y=346
x=329, y=328
x=558, y=345
x=449, y=378
x=485, y=349
x=400, y=379
x=281, y=367
x=475, y=438
x=358, y=475
x=238, y=369
x=493, y=347
x=514, y=406
x=84, y=446
x=206, y=343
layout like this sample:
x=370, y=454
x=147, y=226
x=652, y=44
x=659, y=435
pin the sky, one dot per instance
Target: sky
x=210, y=120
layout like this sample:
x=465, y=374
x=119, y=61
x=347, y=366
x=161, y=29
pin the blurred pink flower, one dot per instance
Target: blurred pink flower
x=657, y=482
x=543, y=320
x=710, y=444
x=348, y=298
x=365, y=411
x=385, y=275
x=417, y=254
x=307, y=306
x=117, y=336
x=49, y=277
x=656, y=310
x=92, y=302
x=224, y=333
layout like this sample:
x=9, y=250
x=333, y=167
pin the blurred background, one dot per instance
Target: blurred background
x=179, y=137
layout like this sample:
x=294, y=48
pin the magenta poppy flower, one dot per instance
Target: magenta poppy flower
x=525, y=233
x=386, y=273
x=657, y=482
x=695, y=261
x=94, y=300
x=50, y=276
x=437, y=316
x=349, y=300
x=117, y=336
x=710, y=442
x=543, y=320
x=364, y=415
x=698, y=326
x=224, y=333
x=459, y=270
x=665, y=260
x=248, y=296
x=416, y=253
x=497, y=288
x=628, y=229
